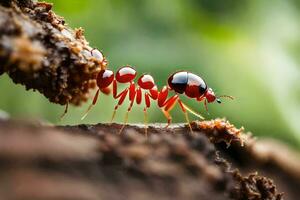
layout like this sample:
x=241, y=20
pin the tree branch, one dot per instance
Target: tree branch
x=39, y=51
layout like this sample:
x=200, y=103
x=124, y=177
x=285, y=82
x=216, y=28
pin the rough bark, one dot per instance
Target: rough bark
x=39, y=51
x=95, y=162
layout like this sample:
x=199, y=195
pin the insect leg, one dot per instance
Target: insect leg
x=65, y=111
x=206, y=107
x=162, y=96
x=93, y=103
x=138, y=98
x=169, y=105
x=115, y=89
x=192, y=111
x=147, y=105
x=146, y=121
x=132, y=94
x=122, y=97
x=183, y=108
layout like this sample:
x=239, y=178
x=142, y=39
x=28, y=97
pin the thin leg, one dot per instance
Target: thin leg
x=206, y=107
x=146, y=121
x=168, y=116
x=125, y=122
x=163, y=100
x=114, y=114
x=115, y=89
x=202, y=98
x=185, y=114
x=65, y=111
x=192, y=111
x=93, y=103
x=147, y=105
x=132, y=94
x=169, y=105
x=121, y=100
x=122, y=96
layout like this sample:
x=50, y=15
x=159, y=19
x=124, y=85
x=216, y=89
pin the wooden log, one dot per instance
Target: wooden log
x=40, y=52
x=95, y=162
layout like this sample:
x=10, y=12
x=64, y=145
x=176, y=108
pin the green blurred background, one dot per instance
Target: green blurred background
x=245, y=48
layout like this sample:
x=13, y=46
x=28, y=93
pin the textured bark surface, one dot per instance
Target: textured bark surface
x=95, y=162
x=39, y=51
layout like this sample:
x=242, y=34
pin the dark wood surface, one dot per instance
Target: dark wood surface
x=95, y=162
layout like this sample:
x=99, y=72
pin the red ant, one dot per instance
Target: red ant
x=181, y=82
x=192, y=86
x=126, y=74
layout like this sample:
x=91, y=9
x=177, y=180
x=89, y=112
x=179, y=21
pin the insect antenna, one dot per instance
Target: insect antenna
x=226, y=96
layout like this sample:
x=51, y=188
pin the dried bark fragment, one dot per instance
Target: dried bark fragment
x=218, y=130
x=39, y=51
x=255, y=187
